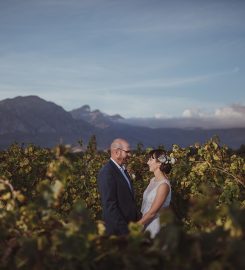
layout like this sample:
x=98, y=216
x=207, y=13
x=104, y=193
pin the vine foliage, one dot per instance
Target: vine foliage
x=50, y=211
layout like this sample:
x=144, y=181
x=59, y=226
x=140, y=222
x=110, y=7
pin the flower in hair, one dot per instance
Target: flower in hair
x=166, y=159
x=172, y=160
x=163, y=159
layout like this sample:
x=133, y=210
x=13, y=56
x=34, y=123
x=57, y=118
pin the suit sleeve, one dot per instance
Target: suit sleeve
x=108, y=190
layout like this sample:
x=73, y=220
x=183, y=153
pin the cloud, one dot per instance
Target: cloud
x=192, y=113
x=235, y=111
x=232, y=116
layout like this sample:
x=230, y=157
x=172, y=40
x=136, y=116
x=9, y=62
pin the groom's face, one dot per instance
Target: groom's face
x=124, y=153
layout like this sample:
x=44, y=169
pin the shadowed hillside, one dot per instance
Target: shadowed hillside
x=31, y=119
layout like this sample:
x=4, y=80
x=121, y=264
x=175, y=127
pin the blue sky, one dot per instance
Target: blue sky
x=137, y=58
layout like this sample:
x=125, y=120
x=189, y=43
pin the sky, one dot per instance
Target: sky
x=139, y=58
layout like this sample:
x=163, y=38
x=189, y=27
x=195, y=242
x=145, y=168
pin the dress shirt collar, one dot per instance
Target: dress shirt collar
x=118, y=166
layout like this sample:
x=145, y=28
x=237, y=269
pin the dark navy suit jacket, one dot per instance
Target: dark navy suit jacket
x=118, y=202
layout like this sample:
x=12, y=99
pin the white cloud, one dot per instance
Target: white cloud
x=234, y=112
x=226, y=117
x=192, y=113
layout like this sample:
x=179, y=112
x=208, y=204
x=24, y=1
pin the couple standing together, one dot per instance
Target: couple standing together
x=117, y=193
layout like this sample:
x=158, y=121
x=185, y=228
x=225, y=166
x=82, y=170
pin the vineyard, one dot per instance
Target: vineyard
x=50, y=212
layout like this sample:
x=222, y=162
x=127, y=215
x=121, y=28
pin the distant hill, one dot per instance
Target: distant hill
x=96, y=117
x=233, y=138
x=31, y=119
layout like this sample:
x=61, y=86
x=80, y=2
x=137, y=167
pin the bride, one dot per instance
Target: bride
x=158, y=193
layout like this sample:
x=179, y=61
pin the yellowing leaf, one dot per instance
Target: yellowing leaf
x=57, y=188
x=216, y=157
x=5, y=196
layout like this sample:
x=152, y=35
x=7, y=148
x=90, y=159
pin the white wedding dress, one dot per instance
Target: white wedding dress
x=148, y=197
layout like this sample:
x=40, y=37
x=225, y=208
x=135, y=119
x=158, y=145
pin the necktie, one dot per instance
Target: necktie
x=125, y=176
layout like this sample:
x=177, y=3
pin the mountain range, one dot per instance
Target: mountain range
x=30, y=119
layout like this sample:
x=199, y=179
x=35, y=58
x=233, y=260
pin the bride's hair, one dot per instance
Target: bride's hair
x=162, y=157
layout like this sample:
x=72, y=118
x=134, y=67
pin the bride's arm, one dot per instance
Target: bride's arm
x=162, y=193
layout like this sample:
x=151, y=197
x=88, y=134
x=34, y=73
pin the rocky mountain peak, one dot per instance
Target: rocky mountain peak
x=95, y=117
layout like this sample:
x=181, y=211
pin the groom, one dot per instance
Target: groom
x=116, y=190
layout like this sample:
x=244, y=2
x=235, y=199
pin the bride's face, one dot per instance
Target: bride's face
x=153, y=164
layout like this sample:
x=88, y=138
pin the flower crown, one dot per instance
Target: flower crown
x=166, y=159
